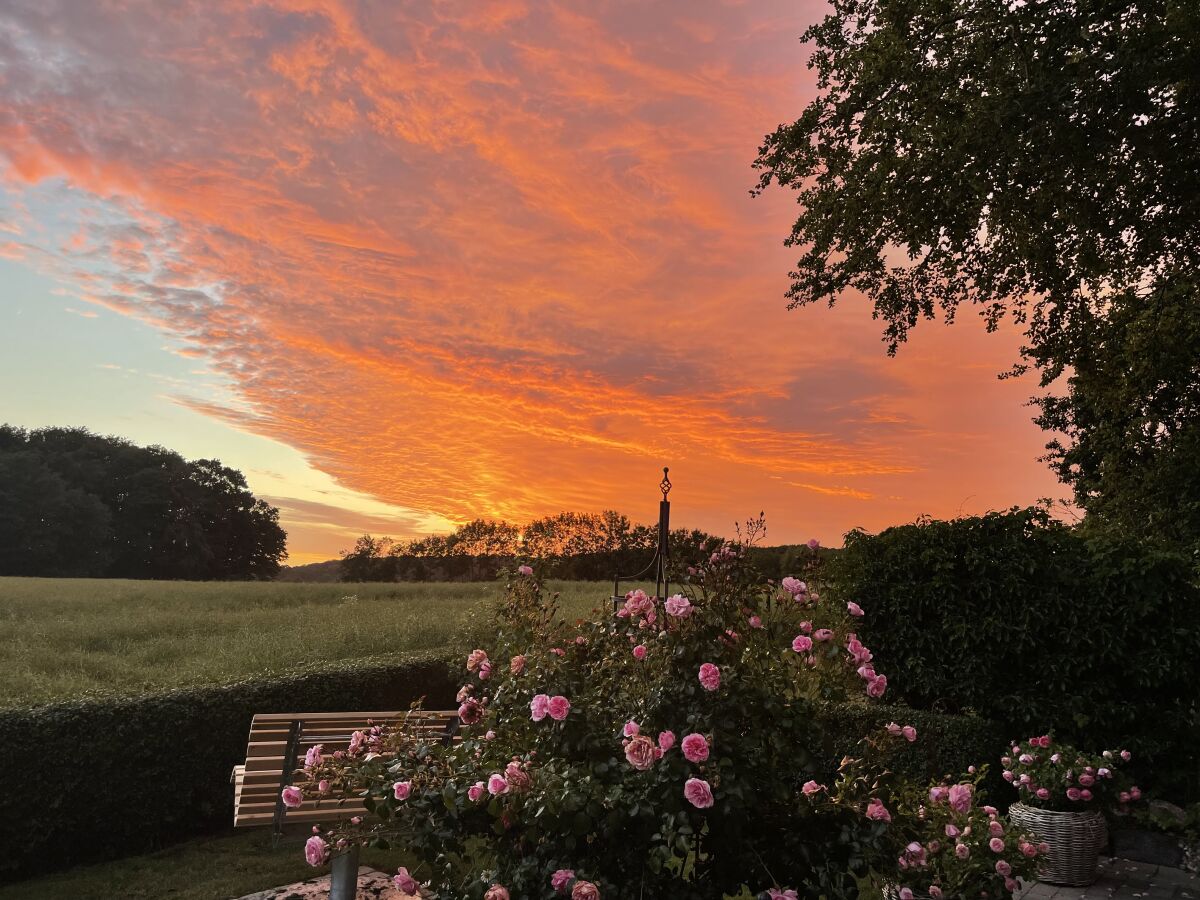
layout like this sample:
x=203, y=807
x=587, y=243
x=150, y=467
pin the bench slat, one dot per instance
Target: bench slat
x=256, y=784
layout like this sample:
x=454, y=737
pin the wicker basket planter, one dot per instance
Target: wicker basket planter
x=1075, y=839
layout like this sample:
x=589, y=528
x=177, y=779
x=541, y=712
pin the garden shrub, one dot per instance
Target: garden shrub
x=130, y=774
x=679, y=748
x=1027, y=622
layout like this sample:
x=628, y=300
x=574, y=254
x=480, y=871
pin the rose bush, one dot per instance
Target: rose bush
x=665, y=749
x=1055, y=776
x=959, y=847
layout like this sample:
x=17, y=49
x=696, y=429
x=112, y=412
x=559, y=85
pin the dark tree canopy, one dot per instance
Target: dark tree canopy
x=73, y=503
x=1036, y=160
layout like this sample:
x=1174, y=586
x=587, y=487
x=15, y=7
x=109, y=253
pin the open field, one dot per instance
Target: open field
x=67, y=637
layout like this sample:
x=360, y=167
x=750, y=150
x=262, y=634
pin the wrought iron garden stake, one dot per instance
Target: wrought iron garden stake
x=662, y=555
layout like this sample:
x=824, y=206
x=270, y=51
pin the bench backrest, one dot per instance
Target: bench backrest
x=275, y=758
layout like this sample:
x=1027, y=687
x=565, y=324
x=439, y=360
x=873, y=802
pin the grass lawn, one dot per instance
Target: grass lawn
x=214, y=868
x=66, y=637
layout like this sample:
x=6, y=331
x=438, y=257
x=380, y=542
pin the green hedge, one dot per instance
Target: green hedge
x=111, y=776
x=946, y=744
x=1027, y=622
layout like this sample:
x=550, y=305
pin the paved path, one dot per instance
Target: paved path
x=1121, y=879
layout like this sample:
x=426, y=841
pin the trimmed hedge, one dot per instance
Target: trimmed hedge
x=946, y=744
x=110, y=776
x=1028, y=622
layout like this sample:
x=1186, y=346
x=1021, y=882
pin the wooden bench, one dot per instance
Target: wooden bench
x=275, y=757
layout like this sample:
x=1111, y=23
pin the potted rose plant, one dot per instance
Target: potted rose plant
x=1062, y=795
x=669, y=748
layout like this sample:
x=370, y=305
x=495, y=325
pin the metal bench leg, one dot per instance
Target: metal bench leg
x=343, y=878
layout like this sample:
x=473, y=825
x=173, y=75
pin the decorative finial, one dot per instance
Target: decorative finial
x=665, y=484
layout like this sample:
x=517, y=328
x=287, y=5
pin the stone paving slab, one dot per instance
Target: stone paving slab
x=1121, y=879
x=372, y=885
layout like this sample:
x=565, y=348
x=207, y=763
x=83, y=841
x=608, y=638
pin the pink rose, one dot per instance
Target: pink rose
x=877, y=811
x=935, y=892
x=698, y=793
x=813, y=543
x=806, y=627
x=1042, y=794
x=906, y=893
x=962, y=851
x=876, y=686
x=560, y=879
x=401, y=789
x=497, y=784
x=822, y=634
x=538, y=707
x=518, y=779
x=794, y=586
x=585, y=890
x=710, y=677
x=631, y=728
x=695, y=748
x=952, y=831
x=316, y=851
x=1126, y=755
x=323, y=786
x=811, y=787
x=559, y=707
x=756, y=622
x=1073, y=793
x=1085, y=795
x=313, y=757
x=525, y=570
x=475, y=791
x=641, y=752
x=666, y=740
x=960, y=797
x=496, y=892
x=1087, y=780
x=938, y=794
x=1003, y=868
x=1027, y=849
x=470, y=712
x=802, y=643
x=996, y=845
x=854, y=609
x=405, y=882
x=678, y=606
x=910, y=733
x=777, y=894
x=639, y=652
x=995, y=829
x=474, y=658
x=517, y=666
x=292, y=796
x=893, y=729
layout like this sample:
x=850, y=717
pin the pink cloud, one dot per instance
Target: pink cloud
x=495, y=259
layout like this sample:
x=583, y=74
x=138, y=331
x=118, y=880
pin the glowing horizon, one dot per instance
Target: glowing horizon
x=415, y=264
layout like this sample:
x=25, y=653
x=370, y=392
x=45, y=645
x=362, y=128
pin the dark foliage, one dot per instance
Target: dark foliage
x=1034, y=161
x=73, y=503
x=1031, y=623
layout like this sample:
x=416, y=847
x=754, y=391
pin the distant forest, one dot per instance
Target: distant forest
x=577, y=546
x=76, y=504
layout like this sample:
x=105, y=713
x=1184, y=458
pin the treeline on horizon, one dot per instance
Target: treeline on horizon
x=74, y=504
x=575, y=546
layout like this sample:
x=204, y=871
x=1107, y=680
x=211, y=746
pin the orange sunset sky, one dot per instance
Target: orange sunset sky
x=410, y=263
